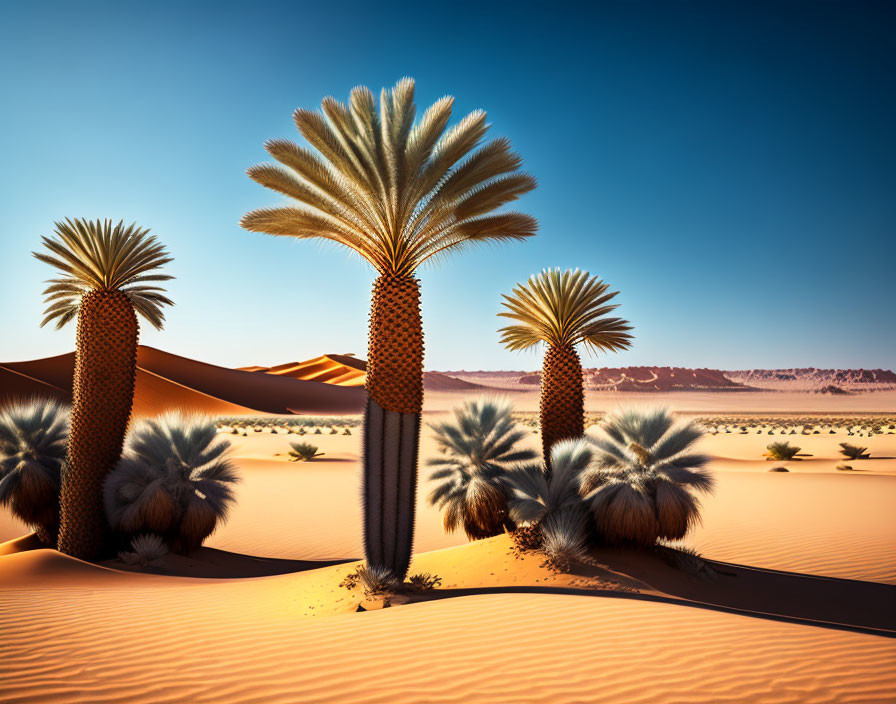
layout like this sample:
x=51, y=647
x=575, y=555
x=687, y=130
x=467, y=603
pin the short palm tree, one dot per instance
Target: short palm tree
x=32, y=449
x=397, y=194
x=477, y=447
x=109, y=274
x=645, y=472
x=175, y=480
x=563, y=309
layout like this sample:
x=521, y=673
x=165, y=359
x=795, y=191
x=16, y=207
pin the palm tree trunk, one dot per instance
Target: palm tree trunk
x=102, y=396
x=392, y=422
x=562, y=407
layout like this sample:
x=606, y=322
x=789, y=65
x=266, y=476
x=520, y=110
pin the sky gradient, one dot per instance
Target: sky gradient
x=729, y=167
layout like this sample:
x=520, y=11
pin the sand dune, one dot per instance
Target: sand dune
x=338, y=369
x=116, y=636
x=167, y=382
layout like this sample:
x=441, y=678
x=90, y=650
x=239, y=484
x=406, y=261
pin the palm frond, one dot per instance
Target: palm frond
x=394, y=192
x=563, y=308
x=97, y=255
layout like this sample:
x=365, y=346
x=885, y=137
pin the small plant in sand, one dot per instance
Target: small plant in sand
x=477, y=447
x=854, y=452
x=318, y=431
x=147, y=550
x=549, y=508
x=782, y=451
x=303, y=452
x=424, y=582
x=346, y=432
x=641, y=485
x=564, y=539
x=374, y=580
x=33, y=440
x=844, y=468
x=175, y=480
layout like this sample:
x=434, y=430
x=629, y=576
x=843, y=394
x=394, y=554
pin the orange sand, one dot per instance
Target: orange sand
x=804, y=611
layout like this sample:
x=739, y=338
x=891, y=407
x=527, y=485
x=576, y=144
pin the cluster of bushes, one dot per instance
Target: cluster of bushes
x=172, y=487
x=634, y=483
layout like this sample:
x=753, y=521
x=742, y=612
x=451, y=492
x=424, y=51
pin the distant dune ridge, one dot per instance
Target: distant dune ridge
x=333, y=383
x=166, y=382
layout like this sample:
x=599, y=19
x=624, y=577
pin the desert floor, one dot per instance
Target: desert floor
x=801, y=608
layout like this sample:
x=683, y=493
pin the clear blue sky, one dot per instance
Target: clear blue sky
x=729, y=166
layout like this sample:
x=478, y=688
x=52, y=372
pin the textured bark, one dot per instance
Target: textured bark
x=102, y=396
x=392, y=422
x=562, y=407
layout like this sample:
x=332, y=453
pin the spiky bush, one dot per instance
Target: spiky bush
x=641, y=485
x=477, y=446
x=424, y=582
x=147, y=550
x=564, y=538
x=33, y=439
x=854, y=452
x=376, y=581
x=535, y=496
x=303, y=452
x=174, y=480
x=782, y=451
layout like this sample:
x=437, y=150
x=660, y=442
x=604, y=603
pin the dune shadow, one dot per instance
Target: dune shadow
x=826, y=602
x=211, y=563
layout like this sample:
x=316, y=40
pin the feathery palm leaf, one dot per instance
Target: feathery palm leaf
x=564, y=308
x=394, y=191
x=99, y=256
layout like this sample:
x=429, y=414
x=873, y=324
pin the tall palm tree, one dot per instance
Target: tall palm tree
x=32, y=449
x=397, y=194
x=109, y=274
x=563, y=309
x=641, y=485
x=477, y=448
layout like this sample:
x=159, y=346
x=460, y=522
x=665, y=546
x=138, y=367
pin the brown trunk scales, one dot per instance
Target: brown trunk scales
x=562, y=407
x=392, y=422
x=102, y=396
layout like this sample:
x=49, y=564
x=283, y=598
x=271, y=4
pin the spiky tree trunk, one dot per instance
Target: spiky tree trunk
x=102, y=396
x=562, y=407
x=392, y=422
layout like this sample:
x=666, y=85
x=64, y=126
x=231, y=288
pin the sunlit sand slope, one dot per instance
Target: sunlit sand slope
x=110, y=636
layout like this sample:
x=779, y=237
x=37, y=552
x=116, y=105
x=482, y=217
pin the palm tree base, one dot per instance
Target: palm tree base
x=391, y=447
